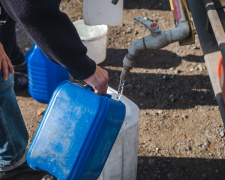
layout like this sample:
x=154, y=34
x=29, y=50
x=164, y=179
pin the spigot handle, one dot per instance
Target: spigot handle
x=145, y=22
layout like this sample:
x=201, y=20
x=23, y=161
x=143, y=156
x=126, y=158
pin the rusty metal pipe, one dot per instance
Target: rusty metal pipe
x=216, y=25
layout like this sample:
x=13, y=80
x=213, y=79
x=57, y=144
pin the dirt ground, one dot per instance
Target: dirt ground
x=181, y=131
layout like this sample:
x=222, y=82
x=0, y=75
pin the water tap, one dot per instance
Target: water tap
x=156, y=40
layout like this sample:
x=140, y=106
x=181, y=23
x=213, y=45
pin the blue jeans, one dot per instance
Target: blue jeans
x=13, y=132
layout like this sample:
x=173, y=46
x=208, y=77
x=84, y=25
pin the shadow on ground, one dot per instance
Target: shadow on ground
x=23, y=93
x=159, y=90
x=151, y=59
x=147, y=4
x=150, y=168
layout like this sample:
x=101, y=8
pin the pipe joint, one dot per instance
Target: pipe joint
x=129, y=61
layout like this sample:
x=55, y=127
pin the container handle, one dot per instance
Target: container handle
x=90, y=88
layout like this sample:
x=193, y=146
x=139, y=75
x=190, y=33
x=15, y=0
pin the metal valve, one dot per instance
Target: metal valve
x=145, y=22
x=152, y=26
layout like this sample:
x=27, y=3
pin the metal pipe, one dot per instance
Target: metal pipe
x=216, y=25
x=157, y=39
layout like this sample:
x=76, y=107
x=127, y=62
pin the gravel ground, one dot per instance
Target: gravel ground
x=181, y=131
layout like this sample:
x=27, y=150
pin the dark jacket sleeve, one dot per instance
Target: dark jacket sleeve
x=53, y=32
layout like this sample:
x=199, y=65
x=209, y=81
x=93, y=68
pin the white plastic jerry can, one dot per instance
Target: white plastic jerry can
x=97, y=12
x=122, y=160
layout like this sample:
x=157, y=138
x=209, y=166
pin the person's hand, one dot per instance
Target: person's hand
x=99, y=81
x=5, y=63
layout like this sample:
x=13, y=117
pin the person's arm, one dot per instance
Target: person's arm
x=5, y=63
x=57, y=37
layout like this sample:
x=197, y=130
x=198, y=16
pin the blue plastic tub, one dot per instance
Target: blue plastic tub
x=76, y=133
x=43, y=75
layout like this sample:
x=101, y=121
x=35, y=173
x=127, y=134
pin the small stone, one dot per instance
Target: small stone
x=48, y=177
x=27, y=49
x=198, y=144
x=172, y=98
x=195, y=47
x=216, y=170
x=41, y=111
x=184, y=116
x=31, y=126
x=129, y=30
x=207, y=143
x=178, y=71
x=160, y=111
x=222, y=134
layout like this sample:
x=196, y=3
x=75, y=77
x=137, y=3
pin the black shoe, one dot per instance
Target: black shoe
x=22, y=68
x=20, y=81
x=23, y=169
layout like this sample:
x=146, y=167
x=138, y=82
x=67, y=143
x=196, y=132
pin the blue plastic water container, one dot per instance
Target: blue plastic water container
x=43, y=75
x=76, y=133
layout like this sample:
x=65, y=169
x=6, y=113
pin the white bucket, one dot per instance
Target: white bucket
x=97, y=12
x=94, y=38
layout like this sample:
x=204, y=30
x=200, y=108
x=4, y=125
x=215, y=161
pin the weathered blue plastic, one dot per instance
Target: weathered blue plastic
x=43, y=75
x=76, y=133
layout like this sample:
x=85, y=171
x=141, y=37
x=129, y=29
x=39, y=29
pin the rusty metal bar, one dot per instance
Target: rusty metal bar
x=216, y=25
x=209, y=47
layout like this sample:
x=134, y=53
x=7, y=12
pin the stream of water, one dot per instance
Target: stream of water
x=120, y=89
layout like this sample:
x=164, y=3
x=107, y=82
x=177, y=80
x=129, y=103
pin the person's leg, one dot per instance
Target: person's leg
x=13, y=132
x=13, y=135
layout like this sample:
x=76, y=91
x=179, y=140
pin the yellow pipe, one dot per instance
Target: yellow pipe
x=171, y=5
